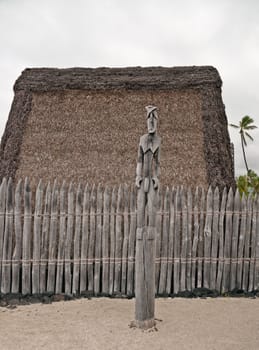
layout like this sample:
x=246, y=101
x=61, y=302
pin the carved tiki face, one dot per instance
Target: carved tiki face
x=152, y=122
x=152, y=118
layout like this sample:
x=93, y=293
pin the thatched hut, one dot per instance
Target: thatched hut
x=84, y=124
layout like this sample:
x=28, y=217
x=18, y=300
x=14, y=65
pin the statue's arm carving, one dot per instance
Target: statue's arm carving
x=156, y=168
x=139, y=167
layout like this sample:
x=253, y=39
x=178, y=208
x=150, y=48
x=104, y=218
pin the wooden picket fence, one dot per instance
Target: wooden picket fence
x=76, y=240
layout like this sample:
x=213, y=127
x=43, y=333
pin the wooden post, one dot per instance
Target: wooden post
x=2, y=222
x=77, y=236
x=7, y=244
x=61, y=241
x=26, y=249
x=44, y=240
x=147, y=181
x=36, y=240
x=85, y=239
x=18, y=239
x=105, y=241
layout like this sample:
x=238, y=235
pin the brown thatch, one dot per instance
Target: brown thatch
x=84, y=124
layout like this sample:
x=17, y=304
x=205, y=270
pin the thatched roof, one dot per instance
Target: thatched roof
x=197, y=87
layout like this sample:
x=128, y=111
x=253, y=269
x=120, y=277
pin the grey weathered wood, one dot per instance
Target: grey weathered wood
x=132, y=240
x=158, y=239
x=236, y=218
x=189, y=240
x=98, y=241
x=69, y=239
x=125, y=241
x=184, y=240
x=201, y=241
x=77, y=240
x=17, y=255
x=112, y=241
x=256, y=283
x=26, y=251
x=85, y=239
x=2, y=221
x=251, y=286
x=61, y=239
x=105, y=240
x=164, y=247
x=92, y=237
x=247, y=245
x=221, y=240
x=53, y=239
x=207, y=238
x=118, y=240
x=227, y=243
x=170, y=244
x=241, y=242
x=8, y=240
x=37, y=239
x=177, y=240
x=215, y=240
x=44, y=251
x=195, y=237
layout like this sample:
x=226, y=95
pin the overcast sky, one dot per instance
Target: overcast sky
x=118, y=33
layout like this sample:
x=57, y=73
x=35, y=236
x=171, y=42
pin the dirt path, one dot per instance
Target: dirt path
x=200, y=324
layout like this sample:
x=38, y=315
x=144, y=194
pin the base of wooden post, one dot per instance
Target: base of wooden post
x=147, y=324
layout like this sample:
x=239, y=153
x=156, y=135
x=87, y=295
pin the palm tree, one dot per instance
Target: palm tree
x=244, y=125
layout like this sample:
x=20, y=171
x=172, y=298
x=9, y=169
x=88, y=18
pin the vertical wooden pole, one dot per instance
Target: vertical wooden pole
x=53, y=240
x=44, y=251
x=236, y=220
x=195, y=237
x=253, y=249
x=77, y=240
x=177, y=241
x=247, y=245
x=207, y=238
x=221, y=240
x=165, y=238
x=171, y=244
x=36, y=240
x=98, y=241
x=184, y=241
x=158, y=239
x=8, y=240
x=200, y=267
x=61, y=240
x=256, y=282
x=118, y=240
x=112, y=241
x=215, y=240
x=68, y=240
x=132, y=240
x=16, y=267
x=227, y=243
x=125, y=241
x=189, y=240
x=241, y=241
x=26, y=251
x=85, y=240
x=145, y=266
x=92, y=240
x=2, y=222
x=105, y=241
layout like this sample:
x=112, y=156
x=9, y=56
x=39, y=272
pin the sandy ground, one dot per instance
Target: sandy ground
x=211, y=324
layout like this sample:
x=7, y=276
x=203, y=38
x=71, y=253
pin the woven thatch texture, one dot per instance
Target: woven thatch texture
x=93, y=136
x=84, y=124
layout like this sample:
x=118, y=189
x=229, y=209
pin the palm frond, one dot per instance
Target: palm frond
x=249, y=136
x=234, y=126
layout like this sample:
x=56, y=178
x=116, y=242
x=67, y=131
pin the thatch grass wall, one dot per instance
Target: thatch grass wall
x=85, y=124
